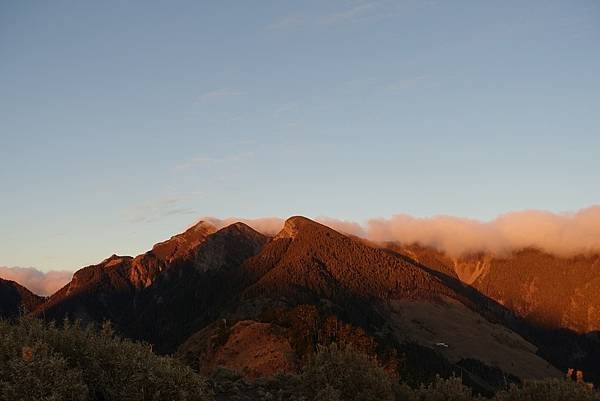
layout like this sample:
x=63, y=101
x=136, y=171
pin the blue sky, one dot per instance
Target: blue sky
x=123, y=122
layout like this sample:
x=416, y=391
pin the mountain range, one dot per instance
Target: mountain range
x=259, y=304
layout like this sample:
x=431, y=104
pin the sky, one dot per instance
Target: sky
x=121, y=123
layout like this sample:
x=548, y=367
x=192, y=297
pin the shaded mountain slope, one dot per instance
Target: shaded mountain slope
x=15, y=298
x=165, y=294
x=110, y=290
x=192, y=294
x=94, y=294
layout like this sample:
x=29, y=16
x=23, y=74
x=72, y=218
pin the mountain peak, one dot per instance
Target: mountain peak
x=293, y=225
x=202, y=226
x=181, y=245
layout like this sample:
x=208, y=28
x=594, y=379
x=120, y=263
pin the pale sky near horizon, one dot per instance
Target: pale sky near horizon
x=123, y=122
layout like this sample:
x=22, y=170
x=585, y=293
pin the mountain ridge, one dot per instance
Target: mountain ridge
x=310, y=284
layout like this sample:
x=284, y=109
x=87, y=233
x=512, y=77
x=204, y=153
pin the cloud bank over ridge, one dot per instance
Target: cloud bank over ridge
x=563, y=234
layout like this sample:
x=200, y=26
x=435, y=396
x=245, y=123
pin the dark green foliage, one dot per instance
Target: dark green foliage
x=81, y=363
x=340, y=374
x=35, y=373
x=549, y=390
x=451, y=389
x=231, y=386
x=41, y=362
x=339, y=371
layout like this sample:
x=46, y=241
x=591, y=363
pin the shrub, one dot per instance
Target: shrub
x=35, y=374
x=340, y=372
x=550, y=389
x=110, y=368
x=440, y=389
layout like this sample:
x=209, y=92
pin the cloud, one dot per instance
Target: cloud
x=371, y=10
x=155, y=210
x=563, y=234
x=343, y=226
x=209, y=160
x=353, y=13
x=406, y=83
x=265, y=225
x=218, y=95
x=272, y=225
x=41, y=283
x=287, y=22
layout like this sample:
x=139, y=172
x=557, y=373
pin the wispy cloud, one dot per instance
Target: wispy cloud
x=406, y=83
x=357, y=12
x=351, y=14
x=38, y=282
x=212, y=160
x=155, y=210
x=287, y=22
x=219, y=95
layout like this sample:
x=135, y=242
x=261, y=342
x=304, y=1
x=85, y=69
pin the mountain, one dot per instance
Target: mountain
x=547, y=290
x=110, y=289
x=15, y=298
x=191, y=295
x=311, y=284
x=236, y=298
x=556, y=297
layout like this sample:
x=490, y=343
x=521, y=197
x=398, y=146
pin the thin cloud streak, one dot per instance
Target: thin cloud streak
x=219, y=94
x=287, y=22
x=351, y=14
x=210, y=160
x=358, y=12
x=155, y=210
